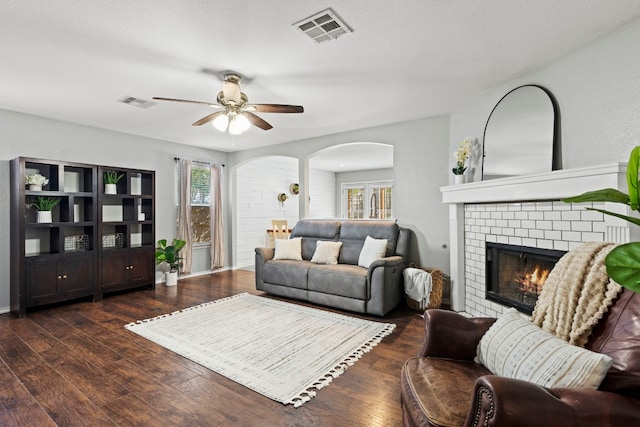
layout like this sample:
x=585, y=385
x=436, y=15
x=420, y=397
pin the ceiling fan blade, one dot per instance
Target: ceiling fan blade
x=208, y=118
x=188, y=101
x=276, y=108
x=257, y=121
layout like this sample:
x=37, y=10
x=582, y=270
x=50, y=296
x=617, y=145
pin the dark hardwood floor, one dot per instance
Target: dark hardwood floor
x=76, y=365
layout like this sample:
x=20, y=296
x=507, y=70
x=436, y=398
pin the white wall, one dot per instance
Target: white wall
x=419, y=149
x=598, y=95
x=322, y=194
x=31, y=136
x=258, y=183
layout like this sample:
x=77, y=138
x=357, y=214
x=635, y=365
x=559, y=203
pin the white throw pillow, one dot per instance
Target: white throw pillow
x=326, y=252
x=516, y=348
x=288, y=249
x=372, y=250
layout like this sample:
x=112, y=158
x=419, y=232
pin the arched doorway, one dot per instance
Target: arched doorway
x=331, y=170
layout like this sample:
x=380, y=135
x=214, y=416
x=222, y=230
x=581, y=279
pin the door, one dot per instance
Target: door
x=42, y=279
x=114, y=268
x=141, y=267
x=77, y=275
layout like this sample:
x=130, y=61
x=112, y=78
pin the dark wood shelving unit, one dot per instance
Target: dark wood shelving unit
x=127, y=230
x=67, y=258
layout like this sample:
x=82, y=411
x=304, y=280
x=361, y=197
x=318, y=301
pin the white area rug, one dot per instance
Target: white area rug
x=283, y=351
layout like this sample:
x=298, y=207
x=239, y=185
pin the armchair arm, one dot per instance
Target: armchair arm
x=385, y=284
x=451, y=335
x=500, y=401
x=264, y=254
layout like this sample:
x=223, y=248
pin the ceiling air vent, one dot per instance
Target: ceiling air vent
x=323, y=26
x=137, y=102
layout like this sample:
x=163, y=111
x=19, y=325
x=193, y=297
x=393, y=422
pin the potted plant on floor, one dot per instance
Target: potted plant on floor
x=45, y=205
x=111, y=178
x=169, y=254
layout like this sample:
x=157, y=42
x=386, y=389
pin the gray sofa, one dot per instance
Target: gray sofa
x=345, y=285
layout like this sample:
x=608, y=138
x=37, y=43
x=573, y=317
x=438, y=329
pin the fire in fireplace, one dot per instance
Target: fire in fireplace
x=515, y=274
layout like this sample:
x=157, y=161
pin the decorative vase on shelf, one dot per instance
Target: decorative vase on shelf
x=458, y=179
x=44, y=217
x=110, y=189
x=35, y=187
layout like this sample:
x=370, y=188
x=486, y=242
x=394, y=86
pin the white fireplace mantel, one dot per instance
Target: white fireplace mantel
x=546, y=186
x=551, y=186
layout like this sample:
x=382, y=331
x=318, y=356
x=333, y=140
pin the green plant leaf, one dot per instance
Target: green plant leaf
x=178, y=244
x=632, y=178
x=631, y=219
x=162, y=243
x=623, y=265
x=604, y=195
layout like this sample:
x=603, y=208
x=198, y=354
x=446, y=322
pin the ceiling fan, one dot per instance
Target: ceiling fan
x=236, y=114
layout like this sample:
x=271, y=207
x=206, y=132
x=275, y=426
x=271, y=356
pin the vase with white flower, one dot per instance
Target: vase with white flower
x=461, y=155
x=35, y=181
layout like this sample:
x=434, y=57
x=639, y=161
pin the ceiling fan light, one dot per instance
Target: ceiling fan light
x=242, y=122
x=234, y=128
x=221, y=122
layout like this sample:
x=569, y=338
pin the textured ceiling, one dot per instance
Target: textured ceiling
x=72, y=60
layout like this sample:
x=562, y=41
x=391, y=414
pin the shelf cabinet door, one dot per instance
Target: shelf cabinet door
x=127, y=269
x=141, y=267
x=42, y=282
x=77, y=275
x=114, y=269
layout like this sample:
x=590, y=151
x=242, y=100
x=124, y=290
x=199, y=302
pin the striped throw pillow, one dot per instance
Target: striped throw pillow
x=516, y=348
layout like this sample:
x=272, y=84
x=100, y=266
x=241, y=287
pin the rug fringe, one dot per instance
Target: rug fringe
x=306, y=395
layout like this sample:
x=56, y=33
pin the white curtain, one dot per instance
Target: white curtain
x=184, y=231
x=217, y=233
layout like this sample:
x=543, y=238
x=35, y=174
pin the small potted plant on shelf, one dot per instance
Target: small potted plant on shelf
x=169, y=254
x=35, y=181
x=111, y=178
x=461, y=155
x=45, y=205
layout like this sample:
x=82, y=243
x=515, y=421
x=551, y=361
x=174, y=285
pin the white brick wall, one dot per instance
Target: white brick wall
x=544, y=224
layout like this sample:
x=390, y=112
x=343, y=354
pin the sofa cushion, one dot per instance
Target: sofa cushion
x=341, y=279
x=516, y=348
x=288, y=249
x=326, y=252
x=312, y=230
x=439, y=388
x=286, y=273
x=354, y=233
x=373, y=249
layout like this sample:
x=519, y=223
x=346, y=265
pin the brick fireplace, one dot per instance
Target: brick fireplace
x=524, y=211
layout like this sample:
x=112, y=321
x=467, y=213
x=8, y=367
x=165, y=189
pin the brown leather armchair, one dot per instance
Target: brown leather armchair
x=444, y=387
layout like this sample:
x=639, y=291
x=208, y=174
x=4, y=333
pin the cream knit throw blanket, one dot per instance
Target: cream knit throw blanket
x=576, y=294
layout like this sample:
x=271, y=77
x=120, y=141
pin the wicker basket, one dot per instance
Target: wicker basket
x=438, y=279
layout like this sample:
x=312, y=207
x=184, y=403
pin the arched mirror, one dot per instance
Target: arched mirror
x=521, y=136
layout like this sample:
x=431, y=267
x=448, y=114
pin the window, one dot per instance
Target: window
x=367, y=200
x=200, y=203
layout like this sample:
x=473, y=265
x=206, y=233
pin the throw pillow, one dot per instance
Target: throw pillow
x=288, y=249
x=372, y=250
x=516, y=348
x=326, y=252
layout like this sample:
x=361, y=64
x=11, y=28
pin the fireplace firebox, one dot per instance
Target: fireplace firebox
x=515, y=274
